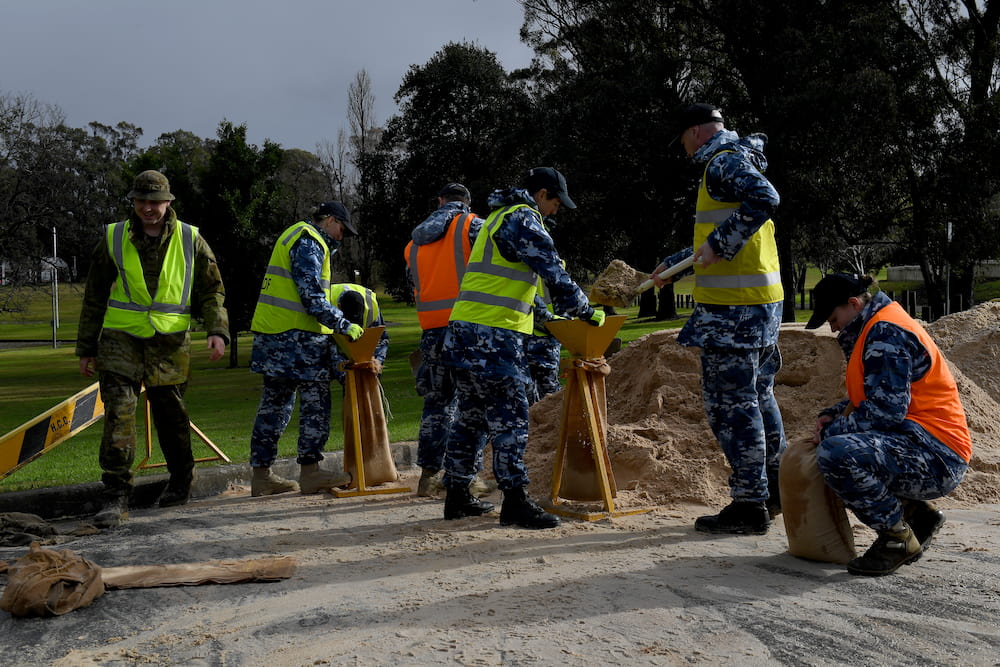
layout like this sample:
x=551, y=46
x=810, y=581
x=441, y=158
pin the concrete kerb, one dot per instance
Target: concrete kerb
x=80, y=500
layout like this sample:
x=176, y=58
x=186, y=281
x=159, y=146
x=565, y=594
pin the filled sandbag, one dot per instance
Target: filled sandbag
x=581, y=478
x=815, y=519
x=44, y=582
x=377, y=463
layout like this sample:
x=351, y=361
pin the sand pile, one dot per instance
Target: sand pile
x=663, y=452
x=971, y=340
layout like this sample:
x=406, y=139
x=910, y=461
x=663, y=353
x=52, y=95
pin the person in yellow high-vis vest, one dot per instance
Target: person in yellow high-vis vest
x=738, y=301
x=147, y=275
x=484, y=345
x=295, y=352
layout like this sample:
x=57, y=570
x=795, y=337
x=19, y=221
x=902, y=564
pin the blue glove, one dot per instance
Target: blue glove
x=354, y=332
x=596, y=318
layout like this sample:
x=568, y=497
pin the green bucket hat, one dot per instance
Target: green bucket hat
x=151, y=185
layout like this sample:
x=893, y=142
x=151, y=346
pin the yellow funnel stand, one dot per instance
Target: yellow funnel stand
x=582, y=468
x=366, y=439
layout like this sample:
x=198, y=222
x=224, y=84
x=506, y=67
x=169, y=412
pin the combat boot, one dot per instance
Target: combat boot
x=112, y=513
x=428, y=483
x=313, y=479
x=520, y=510
x=266, y=483
x=892, y=549
x=481, y=487
x=924, y=519
x=740, y=517
x=459, y=503
x=178, y=491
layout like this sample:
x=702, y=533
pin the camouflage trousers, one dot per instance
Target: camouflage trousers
x=542, y=354
x=490, y=409
x=738, y=390
x=170, y=418
x=434, y=383
x=872, y=471
x=275, y=411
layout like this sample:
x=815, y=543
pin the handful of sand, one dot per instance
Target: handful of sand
x=617, y=285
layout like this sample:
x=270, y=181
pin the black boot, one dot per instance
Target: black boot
x=774, y=499
x=178, y=491
x=520, y=510
x=459, y=503
x=113, y=512
x=892, y=549
x=737, y=518
x=923, y=518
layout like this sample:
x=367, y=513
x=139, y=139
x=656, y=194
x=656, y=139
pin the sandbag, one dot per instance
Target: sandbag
x=815, y=519
x=377, y=456
x=44, y=582
x=196, y=574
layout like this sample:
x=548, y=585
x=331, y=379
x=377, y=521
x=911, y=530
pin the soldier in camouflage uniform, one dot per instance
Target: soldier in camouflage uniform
x=484, y=344
x=295, y=352
x=737, y=313
x=134, y=331
x=901, y=438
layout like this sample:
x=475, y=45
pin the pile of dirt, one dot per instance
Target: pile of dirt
x=663, y=452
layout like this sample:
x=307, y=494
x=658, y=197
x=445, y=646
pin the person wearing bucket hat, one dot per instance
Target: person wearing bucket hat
x=484, y=345
x=292, y=348
x=900, y=438
x=133, y=332
x=738, y=300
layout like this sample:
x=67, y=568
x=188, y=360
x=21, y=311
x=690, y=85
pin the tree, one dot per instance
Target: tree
x=240, y=218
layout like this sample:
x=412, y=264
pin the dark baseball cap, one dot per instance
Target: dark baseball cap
x=550, y=179
x=352, y=305
x=455, y=190
x=340, y=212
x=832, y=291
x=690, y=115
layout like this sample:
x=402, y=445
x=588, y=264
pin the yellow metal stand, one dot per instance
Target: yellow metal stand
x=361, y=353
x=143, y=465
x=585, y=392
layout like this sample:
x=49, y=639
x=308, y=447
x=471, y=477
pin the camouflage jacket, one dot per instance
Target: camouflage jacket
x=436, y=224
x=893, y=359
x=521, y=237
x=163, y=359
x=297, y=354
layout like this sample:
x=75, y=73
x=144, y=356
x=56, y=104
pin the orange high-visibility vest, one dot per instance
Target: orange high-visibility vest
x=437, y=269
x=934, y=401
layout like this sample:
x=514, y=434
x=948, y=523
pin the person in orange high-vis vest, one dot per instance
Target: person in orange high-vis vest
x=436, y=258
x=901, y=437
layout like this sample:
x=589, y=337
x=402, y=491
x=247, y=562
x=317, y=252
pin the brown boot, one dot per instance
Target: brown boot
x=313, y=479
x=266, y=483
x=892, y=549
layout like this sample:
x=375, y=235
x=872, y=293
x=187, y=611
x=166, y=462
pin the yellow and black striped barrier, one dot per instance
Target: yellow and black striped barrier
x=37, y=436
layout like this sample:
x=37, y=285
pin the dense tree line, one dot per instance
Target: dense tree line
x=882, y=118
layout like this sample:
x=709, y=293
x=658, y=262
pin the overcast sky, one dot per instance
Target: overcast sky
x=283, y=67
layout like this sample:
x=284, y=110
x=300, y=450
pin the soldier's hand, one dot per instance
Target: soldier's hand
x=354, y=332
x=596, y=318
x=217, y=347
x=87, y=366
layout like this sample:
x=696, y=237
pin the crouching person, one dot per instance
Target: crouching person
x=901, y=439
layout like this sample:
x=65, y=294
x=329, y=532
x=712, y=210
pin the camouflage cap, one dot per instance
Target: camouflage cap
x=151, y=185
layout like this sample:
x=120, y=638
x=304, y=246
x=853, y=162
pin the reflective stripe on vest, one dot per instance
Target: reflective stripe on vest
x=753, y=276
x=130, y=307
x=279, y=307
x=934, y=400
x=496, y=292
x=437, y=270
x=371, y=303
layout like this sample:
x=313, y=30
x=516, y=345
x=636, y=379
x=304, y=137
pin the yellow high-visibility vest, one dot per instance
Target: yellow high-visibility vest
x=131, y=308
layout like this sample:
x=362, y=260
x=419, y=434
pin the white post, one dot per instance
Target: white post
x=947, y=281
x=55, y=292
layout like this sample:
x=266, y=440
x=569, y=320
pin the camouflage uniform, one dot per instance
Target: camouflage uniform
x=433, y=379
x=542, y=352
x=124, y=362
x=298, y=361
x=488, y=364
x=740, y=355
x=874, y=456
x=380, y=353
